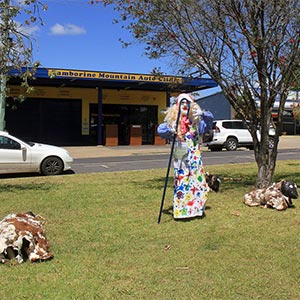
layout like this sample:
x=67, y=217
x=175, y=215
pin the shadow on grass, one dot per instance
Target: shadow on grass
x=24, y=187
x=227, y=183
x=23, y=175
x=233, y=183
x=230, y=180
x=168, y=211
x=295, y=177
x=157, y=183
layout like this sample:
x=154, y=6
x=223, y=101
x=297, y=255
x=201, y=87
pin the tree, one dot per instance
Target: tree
x=249, y=47
x=16, y=44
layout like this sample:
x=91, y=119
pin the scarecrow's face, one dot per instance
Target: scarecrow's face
x=184, y=107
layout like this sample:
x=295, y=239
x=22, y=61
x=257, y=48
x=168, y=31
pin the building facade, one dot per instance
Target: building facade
x=75, y=107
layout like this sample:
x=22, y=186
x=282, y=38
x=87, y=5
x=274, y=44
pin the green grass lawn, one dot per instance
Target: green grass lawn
x=107, y=244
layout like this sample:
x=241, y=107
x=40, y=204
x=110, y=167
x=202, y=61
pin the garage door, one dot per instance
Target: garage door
x=52, y=121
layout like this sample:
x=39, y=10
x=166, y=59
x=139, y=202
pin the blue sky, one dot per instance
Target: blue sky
x=77, y=35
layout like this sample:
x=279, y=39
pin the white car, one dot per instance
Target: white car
x=17, y=156
x=232, y=134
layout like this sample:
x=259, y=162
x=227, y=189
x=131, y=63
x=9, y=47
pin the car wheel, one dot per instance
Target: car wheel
x=52, y=166
x=271, y=142
x=231, y=144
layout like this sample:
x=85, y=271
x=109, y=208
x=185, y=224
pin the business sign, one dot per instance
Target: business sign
x=57, y=73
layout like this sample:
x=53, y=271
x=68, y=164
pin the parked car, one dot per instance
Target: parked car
x=232, y=134
x=17, y=156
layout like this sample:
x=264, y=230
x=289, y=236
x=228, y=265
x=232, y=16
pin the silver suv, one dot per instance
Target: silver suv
x=232, y=134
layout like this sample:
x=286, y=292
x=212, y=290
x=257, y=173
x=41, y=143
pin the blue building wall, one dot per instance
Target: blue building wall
x=217, y=104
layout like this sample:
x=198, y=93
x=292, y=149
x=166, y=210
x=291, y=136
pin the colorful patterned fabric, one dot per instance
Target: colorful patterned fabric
x=190, y=187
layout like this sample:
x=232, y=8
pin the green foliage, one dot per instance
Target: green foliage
x=16, y=45
x=16, y=41
x=107, y=244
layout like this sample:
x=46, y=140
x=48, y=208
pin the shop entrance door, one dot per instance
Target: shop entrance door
x=124, y=116
x=128, y=115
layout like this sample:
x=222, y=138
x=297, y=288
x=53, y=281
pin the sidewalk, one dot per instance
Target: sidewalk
x=104, y=151
x=285, y=142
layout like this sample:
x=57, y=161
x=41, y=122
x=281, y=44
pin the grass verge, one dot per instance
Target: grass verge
x=107, y=244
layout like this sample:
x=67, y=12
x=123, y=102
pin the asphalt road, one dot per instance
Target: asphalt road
x=155, y=161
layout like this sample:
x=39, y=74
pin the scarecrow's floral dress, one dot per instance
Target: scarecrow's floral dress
x=190, y=187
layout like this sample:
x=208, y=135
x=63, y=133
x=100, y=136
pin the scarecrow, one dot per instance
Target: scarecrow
x=185, y=124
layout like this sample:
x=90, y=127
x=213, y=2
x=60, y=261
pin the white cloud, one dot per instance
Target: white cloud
x=68, y=29
x=31, y=30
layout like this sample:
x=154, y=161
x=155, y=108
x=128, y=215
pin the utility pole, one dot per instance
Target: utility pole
x=3, y=75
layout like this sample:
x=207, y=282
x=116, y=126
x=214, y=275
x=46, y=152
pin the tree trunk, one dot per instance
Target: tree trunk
x=266, y=162
x=265, y=174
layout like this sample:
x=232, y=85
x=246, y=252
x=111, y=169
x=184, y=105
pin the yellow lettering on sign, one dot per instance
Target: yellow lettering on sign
x=112, y=76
